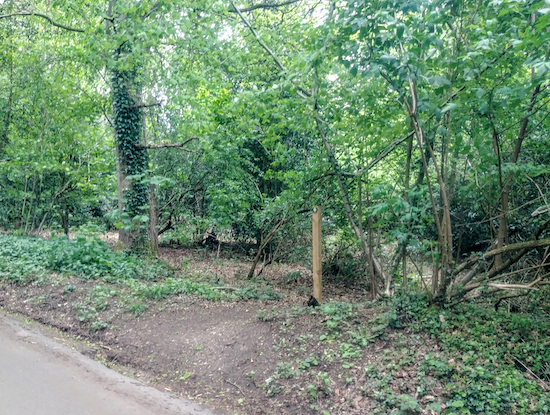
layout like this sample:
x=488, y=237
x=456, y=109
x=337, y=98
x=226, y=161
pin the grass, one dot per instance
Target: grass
x=119, y=278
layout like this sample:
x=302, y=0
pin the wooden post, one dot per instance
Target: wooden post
x=317, y=263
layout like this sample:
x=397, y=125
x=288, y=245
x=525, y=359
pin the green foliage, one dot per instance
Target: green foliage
x=23, y=259
x=138, y=308
x=349, y=353
x=473, y=75
x=178, y=286
x=308, y=362
x=337, y=314
x=487, y=356
x=263, y=293
x=408, y=404
x=285, y=370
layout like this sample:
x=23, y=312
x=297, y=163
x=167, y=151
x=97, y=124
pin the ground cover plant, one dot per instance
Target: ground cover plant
x=492, y=362
x=256, y=348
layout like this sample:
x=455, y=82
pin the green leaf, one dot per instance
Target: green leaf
x=504, y=91
x=435, y=406
x=450, y=106
x=400, y=29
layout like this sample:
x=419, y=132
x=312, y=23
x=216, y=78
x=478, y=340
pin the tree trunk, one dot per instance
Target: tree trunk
x=122, y=186
x=505, y=193
x=347, y=206
x=132, y=163
x=153, y=232
x=442, y=272
x=131, y=158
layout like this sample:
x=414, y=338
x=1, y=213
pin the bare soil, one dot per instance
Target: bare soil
x=250, y=357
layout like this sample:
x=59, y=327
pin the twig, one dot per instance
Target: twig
x=384, y=153
x=263, y=6
x=302, y=92
x=237, y=386
x=541, y=382
x=48, y=18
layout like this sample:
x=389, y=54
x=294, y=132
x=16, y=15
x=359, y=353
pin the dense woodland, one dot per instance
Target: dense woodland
x=420, y=127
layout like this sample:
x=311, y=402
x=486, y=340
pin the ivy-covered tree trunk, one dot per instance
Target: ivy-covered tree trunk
x=133, y=191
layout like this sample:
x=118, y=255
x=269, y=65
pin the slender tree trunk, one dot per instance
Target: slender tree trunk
x=347, y=206
x=502, y=229
x=263, y=244
x=407, y=186
x=442, y=272
x=153, y=232
x=122, y=187
x=4, y=135
x=505, y=194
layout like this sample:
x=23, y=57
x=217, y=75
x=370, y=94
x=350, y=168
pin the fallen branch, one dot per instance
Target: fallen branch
x=495, y=287
x=512, y=286
x=521, y=245
x=524, y=247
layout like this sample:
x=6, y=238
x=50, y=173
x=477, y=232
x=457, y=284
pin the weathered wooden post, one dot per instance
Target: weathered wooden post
x=317, y=263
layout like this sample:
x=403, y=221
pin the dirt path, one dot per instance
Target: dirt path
x=39, y=375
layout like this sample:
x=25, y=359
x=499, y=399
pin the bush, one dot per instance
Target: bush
x=24, y=258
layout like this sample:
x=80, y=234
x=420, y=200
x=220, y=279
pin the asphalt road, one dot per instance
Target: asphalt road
x=40, y=376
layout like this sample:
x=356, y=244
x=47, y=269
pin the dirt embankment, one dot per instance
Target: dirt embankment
x=249, y=356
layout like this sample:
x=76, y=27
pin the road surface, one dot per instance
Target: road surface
x=40, y=376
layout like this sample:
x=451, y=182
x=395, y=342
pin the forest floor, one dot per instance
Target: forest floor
x=208, y=333
x=251, y=356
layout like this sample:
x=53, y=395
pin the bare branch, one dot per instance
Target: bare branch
x=521, y=245
x=384, y=153
x=155, y=104
x=302, y=92
x=153, y=10
x=48, y=18
x=172, y=145
x=263, y=6
x=511, y=286
x=523, y=250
